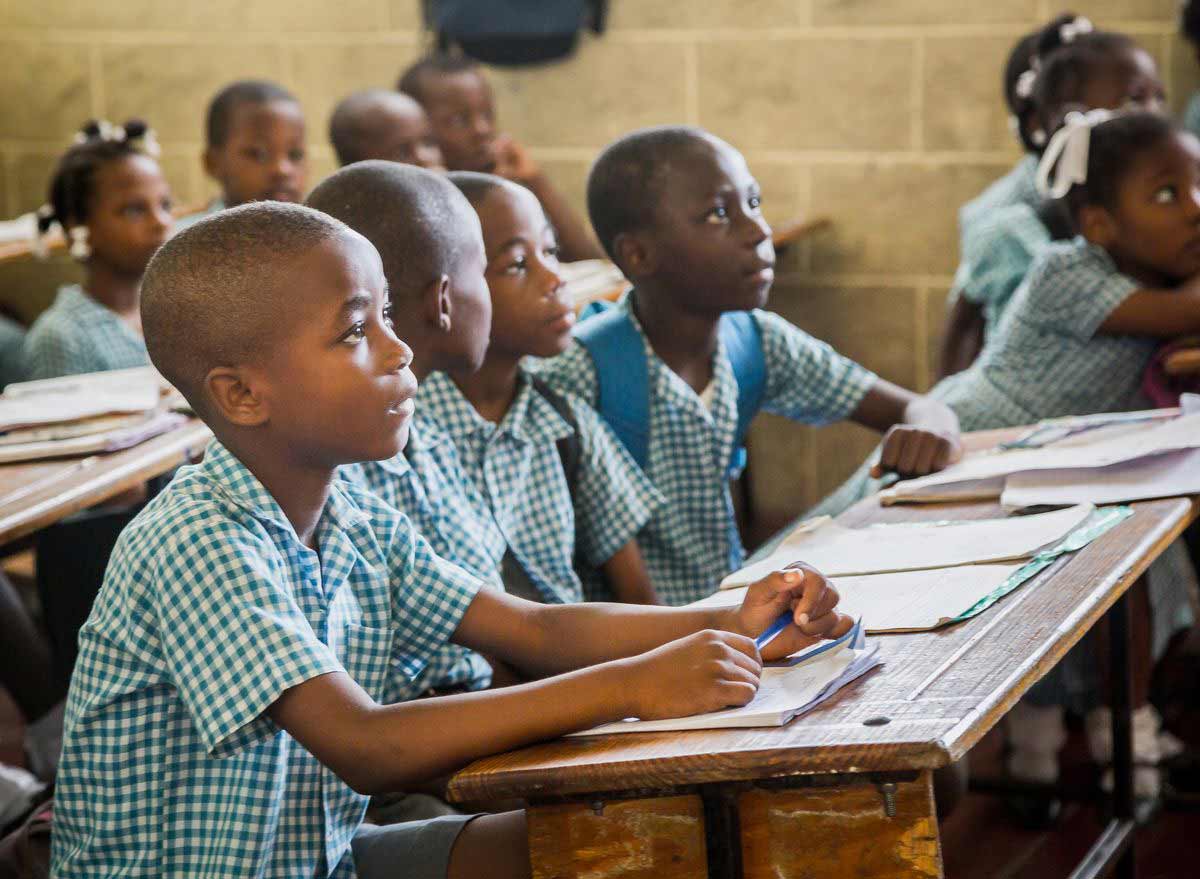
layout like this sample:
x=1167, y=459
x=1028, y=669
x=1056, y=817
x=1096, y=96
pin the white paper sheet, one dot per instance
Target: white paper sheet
x=837, y=551
x=1167, y=475
x=903, y=601
x=76, y=397
x=980, y=473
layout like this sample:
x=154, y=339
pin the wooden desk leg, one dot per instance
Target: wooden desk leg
x=840, y=832
x=658, y=838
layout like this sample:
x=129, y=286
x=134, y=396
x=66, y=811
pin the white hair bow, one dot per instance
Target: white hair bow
x=1072, y=30
x=1026, y=82
x=1066, y=158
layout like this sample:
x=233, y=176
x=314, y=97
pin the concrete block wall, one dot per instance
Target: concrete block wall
x=884, y=115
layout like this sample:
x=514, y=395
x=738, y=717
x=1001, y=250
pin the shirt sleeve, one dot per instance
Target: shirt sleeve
x=1001, y=253
x=1073, y=293
x=50, y=354
x=233, y=638
x=806, y=379
x=613, y=497
x=572, y=373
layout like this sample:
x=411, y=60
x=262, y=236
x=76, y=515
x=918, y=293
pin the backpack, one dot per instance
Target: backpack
x=623, y=375
x=513, y=32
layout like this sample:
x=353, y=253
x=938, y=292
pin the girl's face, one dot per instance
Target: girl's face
x=530, y=315
x=129, y=215
x=1156, y=220
x=1130, y=80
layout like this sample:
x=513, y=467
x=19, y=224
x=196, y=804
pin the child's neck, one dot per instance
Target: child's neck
x=115, y=290
x=301, y=489
x=493, y=387
x=685, y=340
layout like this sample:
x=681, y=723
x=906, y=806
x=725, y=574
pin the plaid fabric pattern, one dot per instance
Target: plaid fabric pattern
x=12, y=339
x=77, y=334
x=690, y=543
x=518, y=475
x=211, y=208
x=997, y=254
x=1191, y=114
x=428, y=484
x=211, y=608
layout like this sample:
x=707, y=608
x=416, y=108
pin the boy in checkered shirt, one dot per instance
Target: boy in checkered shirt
x=234, y=701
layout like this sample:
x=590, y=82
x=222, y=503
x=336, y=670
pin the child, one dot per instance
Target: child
x=1072, y=65
x=230, y=709
x=380, y=124
x=678, y=211
x=562, y=490
x=429, y=242
x=1080, y=330
x=254, y=147
x=1190, y=28
x=459, y=102
x=110, y=198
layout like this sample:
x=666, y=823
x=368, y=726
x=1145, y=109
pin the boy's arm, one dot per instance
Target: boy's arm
x=628, y=578
x=1158, y=313
x=921, y=435
x=574, y=238
x=963, y=339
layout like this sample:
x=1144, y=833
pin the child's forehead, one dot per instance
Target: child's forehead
x=254, y=117
x=703, y=169
x=458, y=86
x=511, y=211
x=127, y=172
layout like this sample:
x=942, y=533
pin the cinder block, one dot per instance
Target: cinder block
x=696, y=14
x=963, y=100
x=916, y=12
x=45, y=92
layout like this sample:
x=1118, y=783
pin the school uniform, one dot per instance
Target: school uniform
x=427, y=483
x=12, y=340
x=212, y=608
x=998, y=251
x=549, y=521
x=214, y=206
x=77, y=334
x=692, y=542
x=1191, y=114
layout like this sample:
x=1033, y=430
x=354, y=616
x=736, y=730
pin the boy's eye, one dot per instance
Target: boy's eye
x=255, y=154
x=718, y=214
x=296, y=155
x=132, y=210
x=755, y=202
x=1166, y=194
x=517, y=266
x=355, y=334
x=551, y=252
x=387, y=316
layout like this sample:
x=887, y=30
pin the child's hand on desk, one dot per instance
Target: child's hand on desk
x=705, y=671
x=812, y=600
x=916, y=451
x=513, y=161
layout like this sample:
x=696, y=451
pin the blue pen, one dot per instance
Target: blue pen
x=772, y=631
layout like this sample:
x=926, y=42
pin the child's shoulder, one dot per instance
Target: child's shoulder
x=1070, y=262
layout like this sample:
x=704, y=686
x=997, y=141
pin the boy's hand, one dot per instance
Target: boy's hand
x=706, y=671
x=810, y=597
x=915, y=451
x=513, y=161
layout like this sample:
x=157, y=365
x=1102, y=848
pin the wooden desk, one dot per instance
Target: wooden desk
x=845, y=790
x=40, y=493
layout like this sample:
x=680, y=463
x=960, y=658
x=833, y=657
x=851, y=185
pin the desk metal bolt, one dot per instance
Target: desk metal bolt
x=888, y=789
x=598, y=807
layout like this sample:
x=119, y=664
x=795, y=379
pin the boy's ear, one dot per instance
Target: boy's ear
x=636, y=257
x=1098, y=225
x=438, y=308
x=235, y=397
x=212, y=162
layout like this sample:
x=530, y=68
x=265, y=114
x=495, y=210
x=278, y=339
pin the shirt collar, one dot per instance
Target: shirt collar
x=531, y=417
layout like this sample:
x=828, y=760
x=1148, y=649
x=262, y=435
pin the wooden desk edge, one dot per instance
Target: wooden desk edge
x=167, y=451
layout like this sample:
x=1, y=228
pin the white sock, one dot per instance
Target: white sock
x=1036, y=734
x=1147, y=750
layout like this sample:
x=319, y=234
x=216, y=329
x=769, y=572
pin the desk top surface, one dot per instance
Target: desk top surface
x=941, y=691
x=35, y=494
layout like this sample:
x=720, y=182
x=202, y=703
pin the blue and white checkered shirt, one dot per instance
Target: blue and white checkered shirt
x=427, y=483
x=1191, y=114
x=515, y=465
x=211, y=608
x=998, y=251
x=687, y=543
x=77, y=334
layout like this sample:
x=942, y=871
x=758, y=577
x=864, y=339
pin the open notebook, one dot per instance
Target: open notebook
x=786, y=689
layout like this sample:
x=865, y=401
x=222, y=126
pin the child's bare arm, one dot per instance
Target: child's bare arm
x=963, y=339
x=1160, y=313
x=921, y=435
x=628, y=578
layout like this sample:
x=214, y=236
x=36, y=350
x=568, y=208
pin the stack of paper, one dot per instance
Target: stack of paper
x=81, y=414
x=1105, y=452
x=786, y=689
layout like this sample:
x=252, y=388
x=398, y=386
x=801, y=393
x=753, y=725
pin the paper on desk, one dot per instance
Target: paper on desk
x=903, y=601
x=837, y=551
x=1166, y=475
x=982, y=475
x=785, y=690
x=107, y=441
x=77, y=397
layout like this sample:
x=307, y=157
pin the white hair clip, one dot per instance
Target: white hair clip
x=80, y=249
x=1072, y=30
x=1025, y=84
x=147, y=143
x=1066, y=158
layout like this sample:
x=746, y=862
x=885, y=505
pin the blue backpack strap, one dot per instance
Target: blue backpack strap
x=622, y=375
x=742, y=338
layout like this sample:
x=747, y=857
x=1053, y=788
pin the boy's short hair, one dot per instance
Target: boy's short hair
x=1189, y=22
x=211, y=295
x=625, y=182
x=476, y=185
x=414, y=218
x=412, y=80
x=246, y=91
x=350, y=125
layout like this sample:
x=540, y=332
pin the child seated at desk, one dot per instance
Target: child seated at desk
x=382, y=124
x=235, y=697
x=458, y=99
x=114, y=206
x=678, y=211
x=254, y=146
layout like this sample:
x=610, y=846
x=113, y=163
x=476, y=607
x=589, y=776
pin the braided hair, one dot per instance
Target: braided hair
x=1021, y=71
